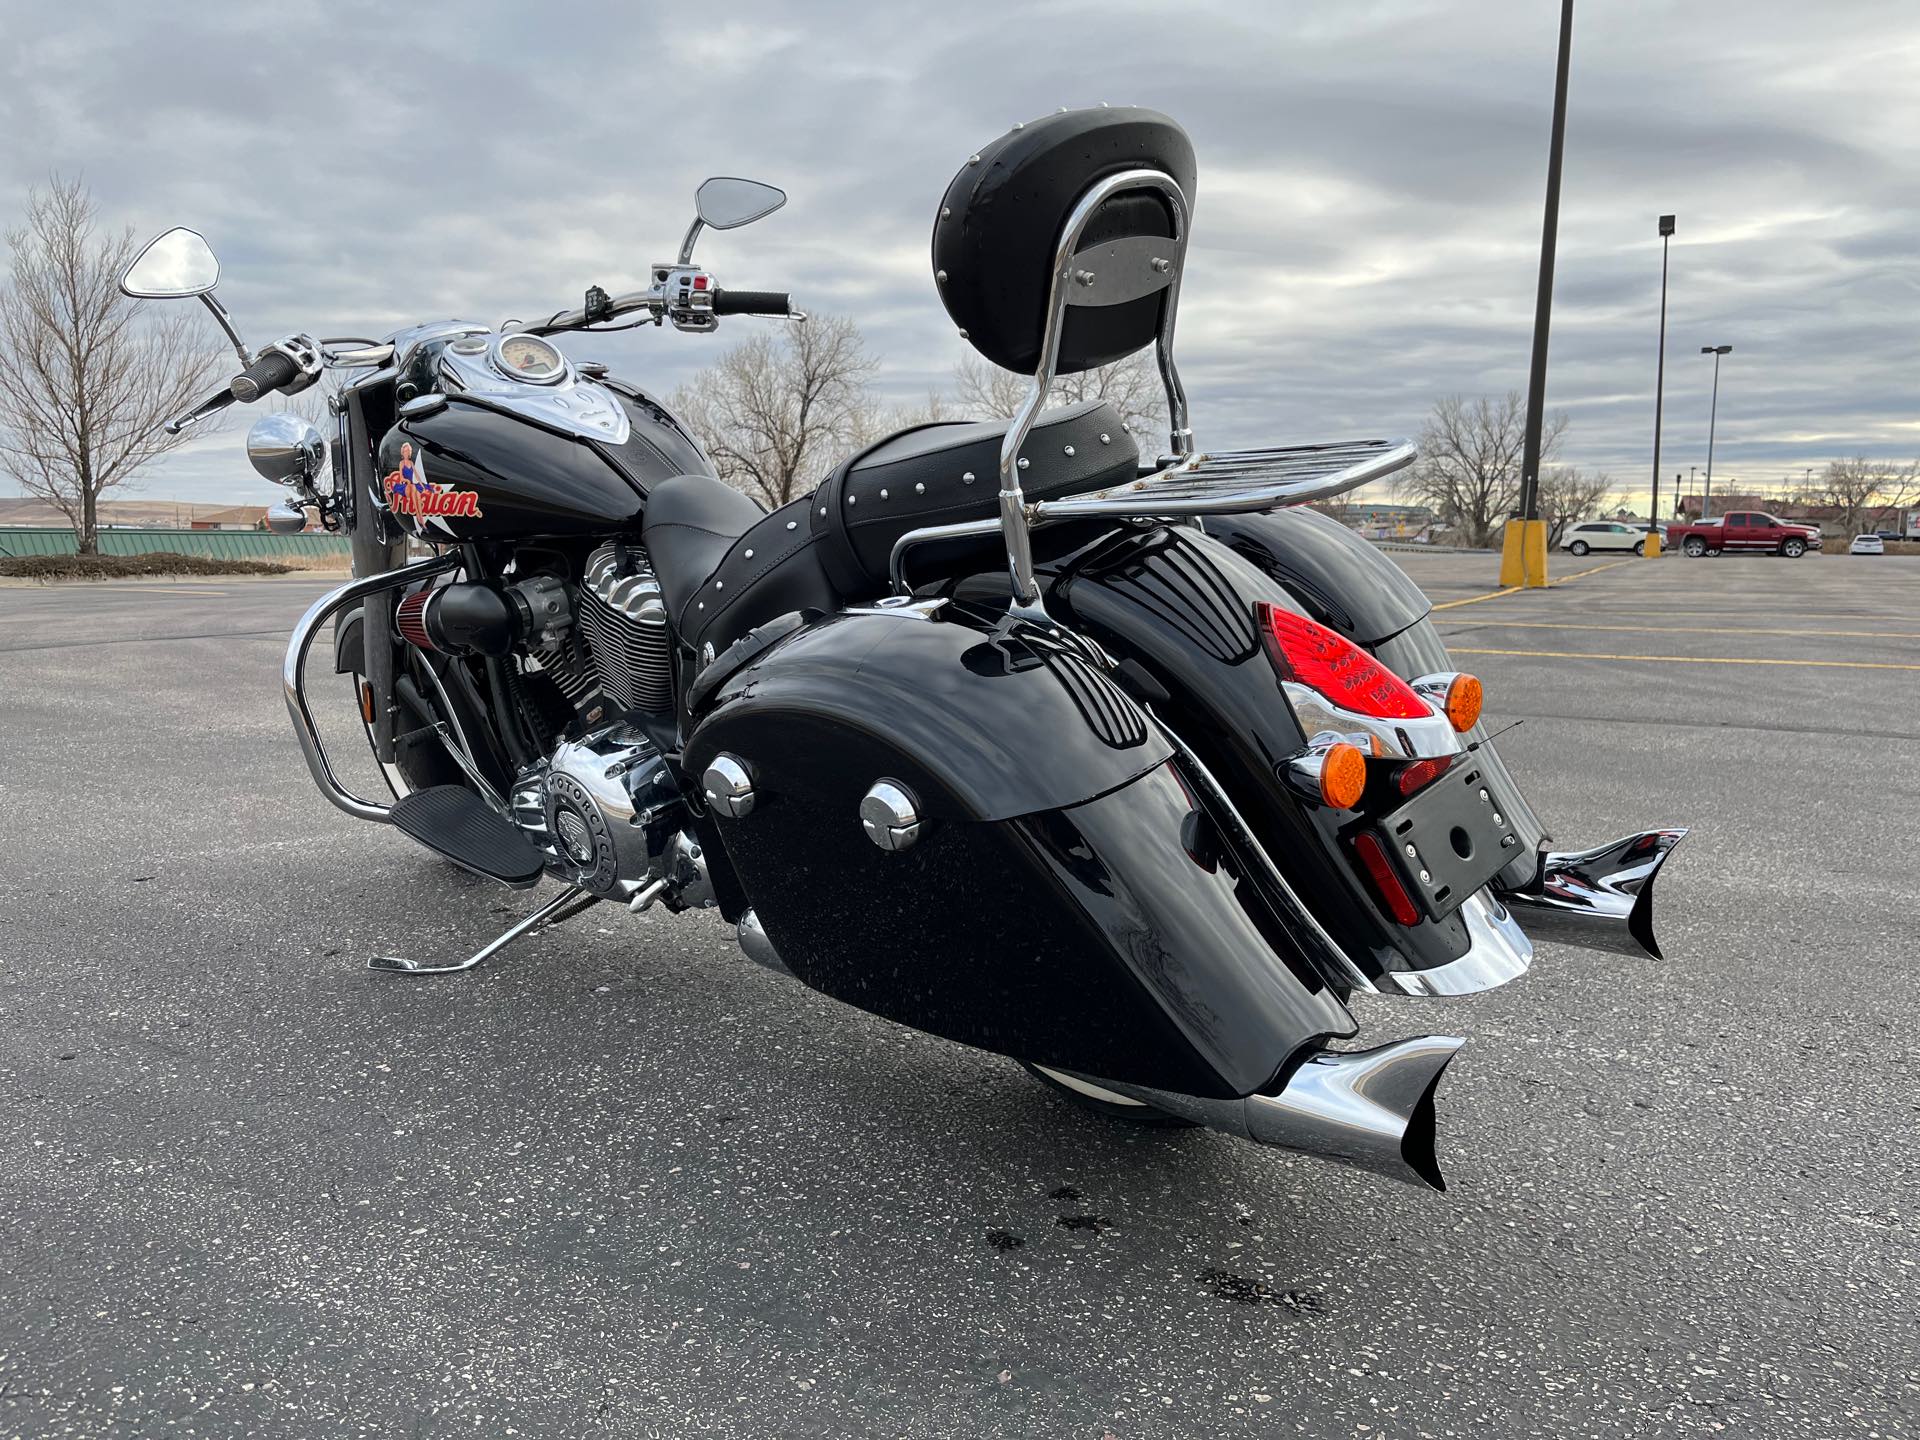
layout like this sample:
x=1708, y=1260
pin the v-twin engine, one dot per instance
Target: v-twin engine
x=624, y=621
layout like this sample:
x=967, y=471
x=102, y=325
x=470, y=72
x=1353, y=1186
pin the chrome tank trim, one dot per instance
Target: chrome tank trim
x=1372, y=1109
x=569, y=403
x=293, y=684
x=1601, y=898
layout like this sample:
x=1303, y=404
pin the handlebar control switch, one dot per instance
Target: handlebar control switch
x=598, y=306
x=686, y=294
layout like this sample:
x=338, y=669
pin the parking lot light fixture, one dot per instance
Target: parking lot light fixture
x=1652, y=544
x=1706, y=494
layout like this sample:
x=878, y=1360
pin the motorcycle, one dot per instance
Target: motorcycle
x=1128, y=767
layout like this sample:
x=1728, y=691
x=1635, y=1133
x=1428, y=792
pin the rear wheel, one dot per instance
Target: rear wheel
x=1102, y=1101
x=1639, y=547
x=1695, y=547
x=1578, y=547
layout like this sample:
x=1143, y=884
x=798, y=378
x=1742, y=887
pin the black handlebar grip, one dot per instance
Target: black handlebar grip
x=269, y=372
x=752, y=302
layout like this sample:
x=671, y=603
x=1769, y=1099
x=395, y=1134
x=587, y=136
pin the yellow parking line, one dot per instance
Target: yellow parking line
x=1694, y=629
x=1595, y=570
x=1688, y=659
x=1515, y=589
x=1476, y=599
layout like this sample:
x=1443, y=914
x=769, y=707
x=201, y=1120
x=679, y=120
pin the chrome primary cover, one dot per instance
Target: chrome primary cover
x=593, y=805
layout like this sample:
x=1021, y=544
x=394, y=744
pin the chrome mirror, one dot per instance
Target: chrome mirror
x=286, y=449
x=174, y=266
x=725, y=203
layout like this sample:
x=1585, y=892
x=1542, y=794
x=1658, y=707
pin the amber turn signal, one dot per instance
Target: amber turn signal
x=366, y=702
x=1463, y=702
x=1343, y=776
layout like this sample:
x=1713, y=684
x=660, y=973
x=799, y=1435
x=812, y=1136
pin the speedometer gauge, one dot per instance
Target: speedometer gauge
x=528, y=357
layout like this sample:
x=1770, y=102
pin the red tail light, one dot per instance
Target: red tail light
x=1386, y=880
x=1335, y=667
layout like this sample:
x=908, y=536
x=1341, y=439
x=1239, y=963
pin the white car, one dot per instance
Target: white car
x=1604, y=535
x=1867, y=545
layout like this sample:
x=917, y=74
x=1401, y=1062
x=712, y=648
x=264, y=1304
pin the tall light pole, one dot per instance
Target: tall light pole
x=1706, y=495
x=1659, y=393
x=1513, y=565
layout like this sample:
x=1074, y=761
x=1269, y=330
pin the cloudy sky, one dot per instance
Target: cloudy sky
x=1368, y=219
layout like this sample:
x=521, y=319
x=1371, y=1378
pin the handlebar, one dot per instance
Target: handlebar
x=752, y=302
x=270, y=371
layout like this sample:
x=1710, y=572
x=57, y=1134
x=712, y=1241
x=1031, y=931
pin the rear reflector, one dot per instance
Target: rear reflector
x=1335, y=667
x=1421, y=773
x=1386, y=880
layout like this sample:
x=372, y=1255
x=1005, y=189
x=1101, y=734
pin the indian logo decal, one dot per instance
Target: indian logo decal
x=409, y=492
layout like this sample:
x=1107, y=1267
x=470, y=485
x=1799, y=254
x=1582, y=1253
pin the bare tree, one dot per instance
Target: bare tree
x=86, y=376
x=1568, y=494
x=1860, y=489
x=1132, y=386
x=775, y=411
x=1469, y=466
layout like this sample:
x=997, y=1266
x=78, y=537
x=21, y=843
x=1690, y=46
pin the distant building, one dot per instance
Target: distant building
x=1383, y=522
x=233, y=517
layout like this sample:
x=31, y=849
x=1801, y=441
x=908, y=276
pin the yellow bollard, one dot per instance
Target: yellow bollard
x=1523, y=554
x=1653, y=544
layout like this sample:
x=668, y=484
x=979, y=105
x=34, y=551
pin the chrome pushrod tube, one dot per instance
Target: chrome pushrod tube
x=293, y=669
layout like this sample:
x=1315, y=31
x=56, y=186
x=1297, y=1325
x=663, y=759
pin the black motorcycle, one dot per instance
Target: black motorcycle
x=1125, y=766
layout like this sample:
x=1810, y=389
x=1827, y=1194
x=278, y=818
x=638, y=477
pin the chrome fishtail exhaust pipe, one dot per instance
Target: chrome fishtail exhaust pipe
x=1601, y=898
x=1368, y=1108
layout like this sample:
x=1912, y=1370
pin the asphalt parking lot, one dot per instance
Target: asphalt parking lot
x=622, y=1183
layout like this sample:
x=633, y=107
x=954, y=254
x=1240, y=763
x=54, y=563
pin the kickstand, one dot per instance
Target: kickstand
x=565, y=905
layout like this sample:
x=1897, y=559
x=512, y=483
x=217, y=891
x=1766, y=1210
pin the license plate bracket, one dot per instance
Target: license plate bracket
x=1452, y=837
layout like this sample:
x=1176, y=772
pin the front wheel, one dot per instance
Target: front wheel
x=1794, y=549
x=1695, y=548
x=1102, y=1101
x=1578, y=547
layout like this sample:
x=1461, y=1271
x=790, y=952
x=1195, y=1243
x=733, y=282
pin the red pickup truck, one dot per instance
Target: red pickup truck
x=1752, y=531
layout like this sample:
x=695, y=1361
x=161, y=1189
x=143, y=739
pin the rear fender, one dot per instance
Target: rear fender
x=1178, y=607
x=1349, y=585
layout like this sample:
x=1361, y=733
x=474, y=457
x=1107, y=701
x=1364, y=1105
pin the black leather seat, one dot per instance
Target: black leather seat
x=725, y=566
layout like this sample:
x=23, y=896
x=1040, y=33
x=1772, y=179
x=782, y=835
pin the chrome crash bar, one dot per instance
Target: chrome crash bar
x=293, y=671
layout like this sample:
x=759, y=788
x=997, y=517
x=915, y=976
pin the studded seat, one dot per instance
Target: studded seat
x=724, y=567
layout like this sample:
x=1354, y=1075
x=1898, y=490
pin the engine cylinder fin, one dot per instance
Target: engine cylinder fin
x=624, y=620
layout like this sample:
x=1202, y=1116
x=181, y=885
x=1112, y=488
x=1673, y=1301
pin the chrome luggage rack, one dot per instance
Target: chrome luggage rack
x=1216, y=482
x=1225, y=482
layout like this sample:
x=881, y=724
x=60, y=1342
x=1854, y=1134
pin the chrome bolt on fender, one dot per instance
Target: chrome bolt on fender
x=728, y=785
x=890, y=815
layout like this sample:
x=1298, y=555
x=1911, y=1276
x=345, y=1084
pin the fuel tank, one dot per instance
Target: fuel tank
x=475, y=469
